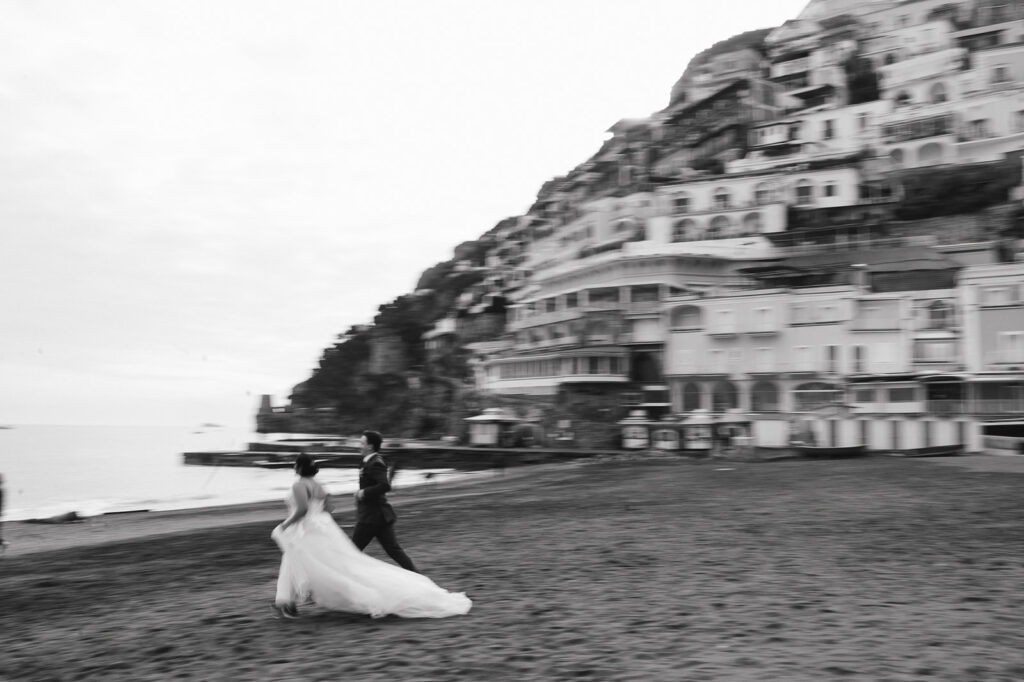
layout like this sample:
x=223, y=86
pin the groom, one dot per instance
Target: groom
x=374, y=516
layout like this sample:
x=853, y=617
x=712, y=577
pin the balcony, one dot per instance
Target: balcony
x=1005, y=356
x=997, y=406
x=875, y=324
x=723, y=331
x=946, y=408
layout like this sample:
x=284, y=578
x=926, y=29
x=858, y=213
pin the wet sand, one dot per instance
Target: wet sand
x=866, y=569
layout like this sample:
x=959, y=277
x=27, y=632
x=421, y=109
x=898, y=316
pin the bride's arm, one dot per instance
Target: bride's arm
x=301, y=504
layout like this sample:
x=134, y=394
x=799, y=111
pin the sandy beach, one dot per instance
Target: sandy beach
x=624, y=569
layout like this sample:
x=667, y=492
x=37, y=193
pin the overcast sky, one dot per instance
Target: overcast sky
x=197, y=196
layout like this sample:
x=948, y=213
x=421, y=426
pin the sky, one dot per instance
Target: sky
x=197, y=197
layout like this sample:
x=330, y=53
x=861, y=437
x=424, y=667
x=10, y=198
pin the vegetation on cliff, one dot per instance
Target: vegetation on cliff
x=406, y=398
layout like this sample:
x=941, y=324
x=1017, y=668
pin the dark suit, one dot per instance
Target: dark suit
x=375, y=517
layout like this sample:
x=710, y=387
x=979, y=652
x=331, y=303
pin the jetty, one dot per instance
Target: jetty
x=405, y=454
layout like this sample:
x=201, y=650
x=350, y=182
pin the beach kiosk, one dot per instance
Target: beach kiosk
x=493, y=428
x=635, y=431
x=697, y=432
x=667, y=434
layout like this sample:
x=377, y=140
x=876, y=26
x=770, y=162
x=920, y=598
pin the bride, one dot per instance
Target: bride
x=320, y=563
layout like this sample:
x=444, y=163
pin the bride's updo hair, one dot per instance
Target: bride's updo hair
x=305, y=466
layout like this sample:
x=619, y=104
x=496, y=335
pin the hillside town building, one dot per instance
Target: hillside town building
x=747, y=250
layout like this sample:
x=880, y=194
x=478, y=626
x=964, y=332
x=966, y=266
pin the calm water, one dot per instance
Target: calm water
x=91, y=470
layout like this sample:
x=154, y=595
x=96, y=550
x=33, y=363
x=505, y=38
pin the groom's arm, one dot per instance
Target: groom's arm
x=378, y=473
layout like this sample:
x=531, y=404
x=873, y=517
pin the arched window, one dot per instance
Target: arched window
x=940, y=315
x=722, y=199
x=681, y=203
x=815, y=395
x=764, y=193
x=752, y=223
x=903, y=98
x=929, y=154
x=686, y=317
x=724, y=396
x=804, y=193
x=896, y=158
x=937, y=93
x=719, y=227
x=691, y=397
x=764, y=397
x=684, y=230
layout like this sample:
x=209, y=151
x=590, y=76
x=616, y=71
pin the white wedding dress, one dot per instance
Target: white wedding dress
x=320, y=563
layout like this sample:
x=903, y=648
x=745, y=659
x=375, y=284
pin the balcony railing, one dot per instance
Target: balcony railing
x=1005, y=356
x=874, y=324
x=1001, y=406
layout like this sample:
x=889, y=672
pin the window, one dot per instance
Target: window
x=764, y=193
x=860, y=359
x=571, y=300
x=764, y=397
x=978, y=129
x=938, y=93
x=724, y=396
x=593, y=365
x=940, y=315
x=752, y=223
x=864, y=395
x=725, y=322
x=681, y=204
x=1010, y=346
x=829, y=129
x=934, y=350
x=815, y=395
x=719, y=227
x=722, y=200
x=799, y=314
x=862, y=121
x=1018, y=121
x=1002, y=295
x=685, y=230
x=686, y=317
x=802, y=359
x=901, y=395
x=830, y=189
x=691, y=397
x=549, y=305
x=764, y=320
x=1000, y=74
x=716, y=360
x=804, y=193
x=832, y=359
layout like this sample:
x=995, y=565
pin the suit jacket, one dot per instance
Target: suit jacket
x=375, y=482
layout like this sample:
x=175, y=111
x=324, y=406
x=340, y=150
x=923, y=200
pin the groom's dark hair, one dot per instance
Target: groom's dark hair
x=374, y=439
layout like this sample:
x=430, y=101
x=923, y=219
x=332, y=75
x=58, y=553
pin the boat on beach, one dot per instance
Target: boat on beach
x=830, y=450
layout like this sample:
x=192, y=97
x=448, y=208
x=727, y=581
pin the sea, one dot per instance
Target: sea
x=93, y=470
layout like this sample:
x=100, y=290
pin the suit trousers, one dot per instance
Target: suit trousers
x=364, y=533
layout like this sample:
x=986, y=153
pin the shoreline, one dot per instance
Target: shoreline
x=30, y=536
